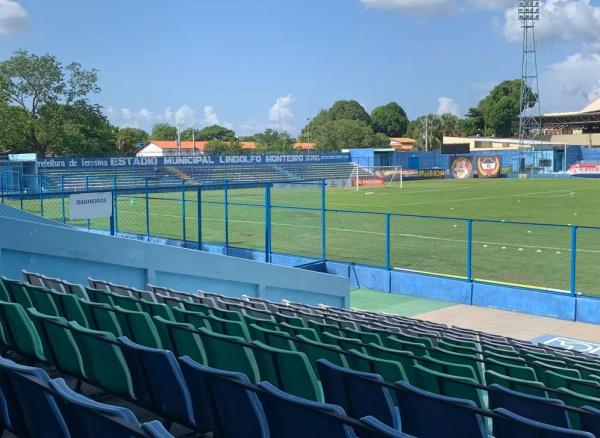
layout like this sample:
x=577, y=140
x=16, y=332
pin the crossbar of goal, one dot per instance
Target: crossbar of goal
x=375, y=176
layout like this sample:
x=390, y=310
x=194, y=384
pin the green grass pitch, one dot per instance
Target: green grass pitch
x=529, y=255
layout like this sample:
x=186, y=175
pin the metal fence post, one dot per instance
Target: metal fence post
x=21, y=196
x=115, y=224
x=147, y=193
x=62, y=197
x=573, y=260
x=267, y=223
x=470, y=250
x=183, y=233
x=42, y=203
x=87, y=189
x=388, y=249
x=323, y=221
x=199, y=213
x=226, y=214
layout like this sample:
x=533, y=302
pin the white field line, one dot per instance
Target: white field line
x=377, y=233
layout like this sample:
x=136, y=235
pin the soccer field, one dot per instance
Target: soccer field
x=531, y=255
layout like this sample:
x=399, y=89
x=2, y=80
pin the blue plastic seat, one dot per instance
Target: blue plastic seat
x=544, y=410
x=417, y=407
x=591, y=422
x=155, y=429
x=32, y=409
x=511, y=425
x=381, y=430
x=222, y=402
x=360, y=394
x=158, y=381
x=87, y=418
x=294, y=417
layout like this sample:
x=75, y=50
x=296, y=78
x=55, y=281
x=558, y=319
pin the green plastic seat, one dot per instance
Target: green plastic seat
x=456, y=348
x=546, y=358
x=555, y=380
x=405, y=358
x=423, y=340
x=461, y=343
x=270, y=324
x=342, y=342
x=322, y=328
x=100, y=296
x=213, y=323
x=103, y=360
x=508, y=369
x=450, y=368
x=288, y=370
x=514, y=359
x=501, y=350
x=291, y=320
x=470, y=360
x=139, y=327
x=157, y=309
x=59, y=343
x=365, y=337
x=295, y=331
x=198, y=308
x=272, y=338
x=69, y=307
x=18, y=293
x=41, y=299
x=4, y=295
x=530, y=387
x=390, y=370
x=229, y=353
x=396, y=344
x=181, y=338
x=448, y=385
x=541, y=367
x=585, y=368
x=316, y=350
x=577, y=400
x=19, y=332
x=102, y=317
x=127, y=303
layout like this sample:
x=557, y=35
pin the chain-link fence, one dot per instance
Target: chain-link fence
x=296, y=219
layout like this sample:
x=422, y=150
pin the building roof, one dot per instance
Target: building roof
x=200, y=145
x=305, y=146
x=591, y=108
x=403, y=140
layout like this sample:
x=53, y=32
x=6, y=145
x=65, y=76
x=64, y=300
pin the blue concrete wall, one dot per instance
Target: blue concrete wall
x=74, y=255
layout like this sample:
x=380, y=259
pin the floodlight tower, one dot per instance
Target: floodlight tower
x=530, y=117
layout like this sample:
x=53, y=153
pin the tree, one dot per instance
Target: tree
x=349, y=110
x=219, y=147
x=31, y=85
x=216, y=132
x=380, y=140
x=129, y=140
x=187, y=134
x=390, y=120
x=334, y=135
x=437, y=127
x=473, y=124
x=164, y=131
x=274, y=141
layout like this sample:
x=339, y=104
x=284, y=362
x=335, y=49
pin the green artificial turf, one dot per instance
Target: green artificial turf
x=403, y=305
x=529, y=255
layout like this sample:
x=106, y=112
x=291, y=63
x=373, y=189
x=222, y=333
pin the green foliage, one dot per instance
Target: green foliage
x=219, y=147
x=349, y=110
x=334, y=135
x=437, y=127
x=164, y=131
x=46, y=109
x=129, y=139
x=473, y=124
x=274, y=141
x=380, y=140
x=187, y=134
x=390, y=120
x=215, y=132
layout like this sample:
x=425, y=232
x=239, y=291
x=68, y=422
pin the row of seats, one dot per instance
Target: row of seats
x=221, y=348
x=33, y=405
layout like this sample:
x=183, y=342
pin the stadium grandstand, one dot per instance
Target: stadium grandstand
x=579, y=127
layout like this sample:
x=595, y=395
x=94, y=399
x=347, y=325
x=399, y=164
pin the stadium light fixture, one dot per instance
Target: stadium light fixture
x=529, y=10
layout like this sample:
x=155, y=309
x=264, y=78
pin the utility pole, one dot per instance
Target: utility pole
x=178, y=125
x=426, y=133
x=193, y=140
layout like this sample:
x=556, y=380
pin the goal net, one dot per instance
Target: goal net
x=377, y=176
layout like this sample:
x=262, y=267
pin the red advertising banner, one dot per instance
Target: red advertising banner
x=369, y=182
x=584, y=169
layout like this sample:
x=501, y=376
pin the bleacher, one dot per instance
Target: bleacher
x=203, y=363
x=78, y=179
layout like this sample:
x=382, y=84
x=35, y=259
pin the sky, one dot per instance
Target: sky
x=257, y=64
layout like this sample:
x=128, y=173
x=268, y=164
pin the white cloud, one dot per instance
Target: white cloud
x=124, y=117
x=434, y=7
x=447, y=105
x=492, y=5
x=210, y=116
x=560, y=20
x=281, y=111
x=13, y=17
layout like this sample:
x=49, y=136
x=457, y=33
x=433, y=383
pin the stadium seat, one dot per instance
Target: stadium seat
x=511, y=370
x=103, y=360
x=530, y=387
x=229, y=353
x=510, y=425
x=59, y=343
x=405, y=358
x=181, y=339
x=544, y=410
x=429, y=415
x=102, y=317
x=33, y=411
x=451, y=368
x=294, y=330
x=69, y=307
x=541, y=368
x=223, y=403
x=139, y=327
x=446, y=384
x=359, y=394
x=416, y=348
x=273, y=338
x=41, y=300
x=19, y=332
x=577, y=400
x=590, y=422
x=290, y=371
x=158, y=381
x=293, y=417
x=17, y=293
x=586, y=387
x=87, y=418
x=391, y=371
x=380, y=430
x=316, y=350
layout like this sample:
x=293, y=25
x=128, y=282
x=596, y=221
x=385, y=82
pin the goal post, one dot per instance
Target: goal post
x=375, y=176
